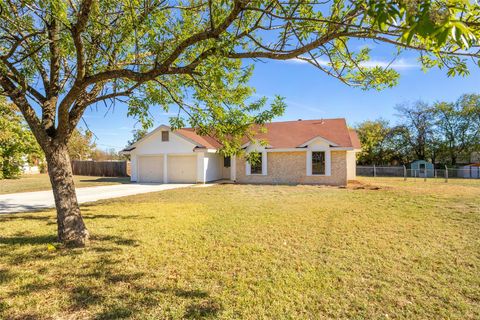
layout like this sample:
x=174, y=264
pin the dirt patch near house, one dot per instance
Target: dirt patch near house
x=360, y=185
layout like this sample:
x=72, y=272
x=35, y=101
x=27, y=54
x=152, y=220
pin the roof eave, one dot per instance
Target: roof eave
x=127, y=150
x=307, y=143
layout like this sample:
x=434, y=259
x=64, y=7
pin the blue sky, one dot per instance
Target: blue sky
x=310, y=94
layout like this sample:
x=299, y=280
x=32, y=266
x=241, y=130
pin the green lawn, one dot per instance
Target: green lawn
x=37, y=182
x=387, y=249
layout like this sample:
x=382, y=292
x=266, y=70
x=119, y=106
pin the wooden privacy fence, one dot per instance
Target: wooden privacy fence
x=100, y=168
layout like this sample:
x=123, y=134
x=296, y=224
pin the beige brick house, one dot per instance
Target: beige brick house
x=296, y=152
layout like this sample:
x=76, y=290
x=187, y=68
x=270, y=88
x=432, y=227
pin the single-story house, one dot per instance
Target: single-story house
x=297, y=152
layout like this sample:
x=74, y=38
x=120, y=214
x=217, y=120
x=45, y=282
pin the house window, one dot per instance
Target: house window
x=318, y=162
x=226, y=162
x=164, y=135
x=256, y=167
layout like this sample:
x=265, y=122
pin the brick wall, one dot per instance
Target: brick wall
x=290, y=168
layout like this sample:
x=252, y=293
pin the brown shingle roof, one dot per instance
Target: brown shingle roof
x=203, y=141
x=292, y=134
x=354, y=138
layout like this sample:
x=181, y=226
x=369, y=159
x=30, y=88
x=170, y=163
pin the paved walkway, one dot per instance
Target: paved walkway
x=31, y=201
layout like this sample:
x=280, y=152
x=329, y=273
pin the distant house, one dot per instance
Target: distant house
x=298, y=152
x=470, y=171
x=422, y=168
x=30, y=167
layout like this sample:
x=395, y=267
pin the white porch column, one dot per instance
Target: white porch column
x=233, y=168
x=165, y=168
x=133, y=168
x=200, y=167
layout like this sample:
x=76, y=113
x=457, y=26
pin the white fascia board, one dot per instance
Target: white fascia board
x=344, y=149
x=199, y=149
x=160, y=127
x=163, y=127
x=246, y=145
x=286, y=150
x=306, y=143
x=126, y=152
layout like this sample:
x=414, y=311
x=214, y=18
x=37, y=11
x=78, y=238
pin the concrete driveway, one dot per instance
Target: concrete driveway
x=32, y=201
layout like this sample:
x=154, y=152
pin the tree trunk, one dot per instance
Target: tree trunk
x=71, y=229
x=453, y=159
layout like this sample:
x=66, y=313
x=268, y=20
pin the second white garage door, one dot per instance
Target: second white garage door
x=182, y=169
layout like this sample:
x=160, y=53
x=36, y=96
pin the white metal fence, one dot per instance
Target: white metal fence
x=402, y=171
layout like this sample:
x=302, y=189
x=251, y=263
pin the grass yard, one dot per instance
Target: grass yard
x=38, y=182
x=392, y=249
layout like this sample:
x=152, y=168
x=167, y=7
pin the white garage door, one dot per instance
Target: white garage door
x=150, y=169
x=182, y=169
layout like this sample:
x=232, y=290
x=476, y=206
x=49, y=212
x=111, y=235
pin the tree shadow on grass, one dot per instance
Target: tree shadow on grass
x=119, y=241
x=199, y=303
x=120, y=180
x=6, y=276
x=81, y=297
x=10, y=246
x=204, y=309
x=85, y=214
x=106, y=291
x=21, y=217
x=115, y=312
x=25, y=239
x=88, y=216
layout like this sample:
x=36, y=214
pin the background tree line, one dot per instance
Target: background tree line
x=442, y=132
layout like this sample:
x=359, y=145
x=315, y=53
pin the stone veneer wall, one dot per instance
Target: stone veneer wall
x=290, y=168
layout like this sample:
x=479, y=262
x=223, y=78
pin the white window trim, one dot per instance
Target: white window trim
x=328, y=162
x=248, y=170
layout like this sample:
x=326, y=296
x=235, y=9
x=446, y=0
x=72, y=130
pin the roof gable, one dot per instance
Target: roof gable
x=157, y=130
x=317, y=139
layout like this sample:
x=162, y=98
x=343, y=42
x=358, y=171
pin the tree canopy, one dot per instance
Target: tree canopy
x=81, y=145
x=69, y=55
x=380, y=143
x=441, y=132
x=458, y=126
x=57, y=58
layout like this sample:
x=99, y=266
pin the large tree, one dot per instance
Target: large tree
x=383, y=143
x=57, y=58
x=458, y=125
x=417, y=128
